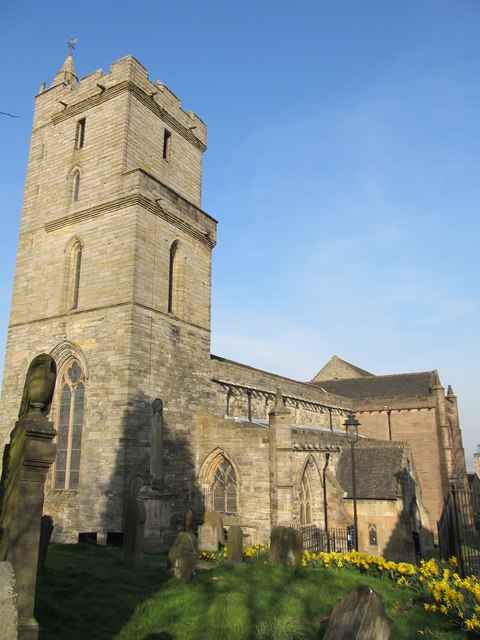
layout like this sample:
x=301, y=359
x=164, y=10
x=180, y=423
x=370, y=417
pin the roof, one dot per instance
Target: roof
x=336, y=368
x=377, y=471
x=398, y=385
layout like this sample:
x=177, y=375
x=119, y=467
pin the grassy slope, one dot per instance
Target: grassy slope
x=85, y=592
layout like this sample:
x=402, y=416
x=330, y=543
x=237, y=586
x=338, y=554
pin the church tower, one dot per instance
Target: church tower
x=113, y=279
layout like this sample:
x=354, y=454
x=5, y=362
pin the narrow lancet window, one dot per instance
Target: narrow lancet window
x=75, y=186
x=172, y=277
x=167, y=141
x=75, y=274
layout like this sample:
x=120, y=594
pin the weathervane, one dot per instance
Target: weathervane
x=71, y=43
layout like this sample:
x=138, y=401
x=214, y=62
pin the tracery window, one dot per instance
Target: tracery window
x=224, y=488
x=372, y=535
x=69, y=427
x=305, y=501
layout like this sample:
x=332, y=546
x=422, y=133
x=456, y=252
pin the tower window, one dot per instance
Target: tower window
x=75, y=186
x=80, y=136
x=167, y=143
x=172, y=277
x=69, y=427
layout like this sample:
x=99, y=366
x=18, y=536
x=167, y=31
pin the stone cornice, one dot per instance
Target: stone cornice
x=135, y=199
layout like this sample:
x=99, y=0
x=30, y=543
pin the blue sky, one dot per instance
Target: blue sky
x=342, y=166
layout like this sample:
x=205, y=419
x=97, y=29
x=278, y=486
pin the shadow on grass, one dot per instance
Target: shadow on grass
x=86, y=593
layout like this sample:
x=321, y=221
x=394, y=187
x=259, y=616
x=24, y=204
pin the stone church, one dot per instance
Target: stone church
x=113, y=279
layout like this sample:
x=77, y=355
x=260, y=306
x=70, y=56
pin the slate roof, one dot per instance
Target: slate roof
x=398, y=385
x=377, y=471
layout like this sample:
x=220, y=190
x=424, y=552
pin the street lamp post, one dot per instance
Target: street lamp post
x=351, y=431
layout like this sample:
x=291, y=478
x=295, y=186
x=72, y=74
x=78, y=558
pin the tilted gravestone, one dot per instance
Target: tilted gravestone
x=286, y=547
x=210, y=533
x=26, y=462
x=359, y=616
x=134, y=532
x=234, y=545
x=183, y=556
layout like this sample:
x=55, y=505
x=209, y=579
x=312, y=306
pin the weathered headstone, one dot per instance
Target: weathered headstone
x=134, y=532
x=234, y=545
x=8, y=602
x=359, y=616
x=210, y=533
x=286, y=547
x=26, y=462
x=183, y=555
x=46, y=530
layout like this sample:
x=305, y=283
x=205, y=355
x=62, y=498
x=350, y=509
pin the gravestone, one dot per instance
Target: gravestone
x=234, y=545
x=359, y=616
x=26, y=462
x=210, y=533
x=8, y=603
x=134, y=532
x=183, y=555
x=286, y=547
x=46, y=530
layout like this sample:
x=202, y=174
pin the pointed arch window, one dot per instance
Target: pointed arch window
x=305, y=501
x=74, y=274
x=75, y=185
x=70, y=415
x=173, y=277
x=224, y=489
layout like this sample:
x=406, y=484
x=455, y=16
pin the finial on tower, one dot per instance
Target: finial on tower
x=71, y=44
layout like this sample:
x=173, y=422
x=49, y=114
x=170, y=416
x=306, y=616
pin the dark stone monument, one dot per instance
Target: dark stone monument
x=134, y=531
x=234, y=545
x=286, y=547
x=359, y=616
x=26, y=462
x=46, y=530
x=183, y=555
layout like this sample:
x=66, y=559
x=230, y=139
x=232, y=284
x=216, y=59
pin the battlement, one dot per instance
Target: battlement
x=67, y=95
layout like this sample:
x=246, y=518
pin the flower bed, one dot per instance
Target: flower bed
x=438, y=585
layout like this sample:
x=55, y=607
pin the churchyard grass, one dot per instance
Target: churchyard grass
x=86, y=592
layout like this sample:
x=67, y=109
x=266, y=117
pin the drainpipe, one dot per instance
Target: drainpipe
x=325, y=509
x=389, y=412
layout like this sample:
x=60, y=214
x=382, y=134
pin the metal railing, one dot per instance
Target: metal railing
x=316, y=539
x=459, y=530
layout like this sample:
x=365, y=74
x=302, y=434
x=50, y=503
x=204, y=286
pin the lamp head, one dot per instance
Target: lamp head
x=351, y=428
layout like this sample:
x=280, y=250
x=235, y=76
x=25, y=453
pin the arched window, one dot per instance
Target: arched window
x=305, y=501
x=71, y=400
x=74, y=274
x=75, y=185
x=224, y=489
x=173, y=277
